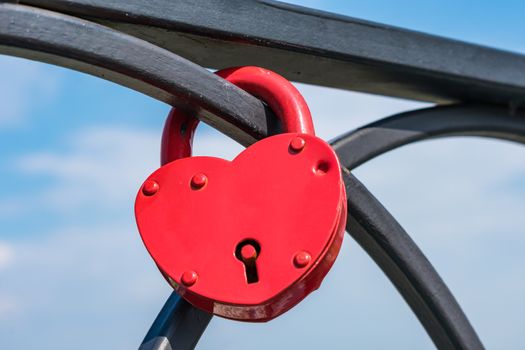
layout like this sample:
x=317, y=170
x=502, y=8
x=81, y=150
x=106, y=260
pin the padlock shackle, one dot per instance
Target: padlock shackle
x=177, y=136
x=281, y=96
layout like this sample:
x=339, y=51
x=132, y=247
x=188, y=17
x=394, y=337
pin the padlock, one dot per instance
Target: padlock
x=250, y=238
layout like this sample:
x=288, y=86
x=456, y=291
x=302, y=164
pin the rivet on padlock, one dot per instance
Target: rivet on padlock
x=250, y=238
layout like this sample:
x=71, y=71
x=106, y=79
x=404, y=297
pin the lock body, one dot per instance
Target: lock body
x=250, y=238
x=283, y=195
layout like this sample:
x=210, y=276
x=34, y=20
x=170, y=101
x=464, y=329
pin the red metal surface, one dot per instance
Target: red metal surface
x=177, y=137
x=302, y=259
x=265, y=194
x=149, y=188
x=282, y=97
x=248, y=252
x=276, y=91
x=297, y=144
x=189, y=278
x=283, y=195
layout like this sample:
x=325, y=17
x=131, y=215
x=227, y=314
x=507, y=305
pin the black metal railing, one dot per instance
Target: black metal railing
x=141, y=44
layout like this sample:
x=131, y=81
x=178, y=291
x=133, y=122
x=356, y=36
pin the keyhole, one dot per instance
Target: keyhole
x=247, y=252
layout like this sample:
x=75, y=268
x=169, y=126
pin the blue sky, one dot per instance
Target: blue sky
x=74, y=149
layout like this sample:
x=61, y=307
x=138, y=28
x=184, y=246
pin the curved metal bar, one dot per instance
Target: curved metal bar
x=392, y=249
x=95, y=49
x=367, y=142
x=92, y=48
x=385, y=240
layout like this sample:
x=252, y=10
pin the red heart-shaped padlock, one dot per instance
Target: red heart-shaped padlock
x=250, y=238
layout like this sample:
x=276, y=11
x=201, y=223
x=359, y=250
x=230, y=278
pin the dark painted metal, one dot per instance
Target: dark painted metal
x=315, y=47
x=178, y=326
x=91, y=48
x=95, y=49
x=388, y=244
x=379, y=137
x=385, y=240
x=392, y=249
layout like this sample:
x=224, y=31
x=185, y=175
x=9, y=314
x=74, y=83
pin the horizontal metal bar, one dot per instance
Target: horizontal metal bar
x=92, y=48
x=314, y=47
x=80, y=45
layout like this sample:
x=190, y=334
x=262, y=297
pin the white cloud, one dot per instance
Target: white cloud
x=456, y=198
x=8, y=307
x=6, y=255
x=101, y=166
x=461, y=202
x=111, y=162
x=96, y=281
x=84, y=264
x=23, y=86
